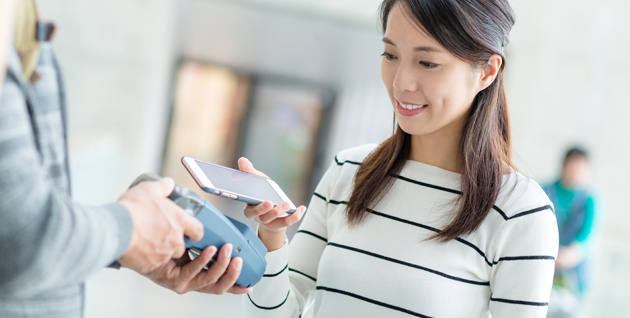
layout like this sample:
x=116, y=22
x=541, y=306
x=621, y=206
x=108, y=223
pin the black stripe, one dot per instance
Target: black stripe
x=313, y=234
x=496, y=208
x=474, y=247
x=522, y=258
x=478, y=250
x=432, y=186
x=404, y=221
x=337, y=202
x=347, y=161
x=297, y=271
x=542, y=208
x=278, y=273
x=320, y=196
x=404, y=178
x=327, y=201
x=376, y=302
x=269, y=308
x=503, y=215
x=428, y=185
x=393, y=260
x=461, y=240
x=518, y=302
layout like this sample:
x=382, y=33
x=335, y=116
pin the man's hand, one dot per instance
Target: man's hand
x=159, y=226
x=184, y=275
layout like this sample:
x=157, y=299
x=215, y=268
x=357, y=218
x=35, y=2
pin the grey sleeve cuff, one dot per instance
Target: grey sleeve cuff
x=125, y=229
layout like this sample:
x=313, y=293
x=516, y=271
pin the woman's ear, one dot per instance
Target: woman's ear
x=490, y=72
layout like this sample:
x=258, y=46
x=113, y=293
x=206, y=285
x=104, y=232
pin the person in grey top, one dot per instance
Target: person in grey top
x=49, y=244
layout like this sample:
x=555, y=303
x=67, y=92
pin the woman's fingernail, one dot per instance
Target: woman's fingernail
x=267, y=206
x=285, y=205
x=238, y=264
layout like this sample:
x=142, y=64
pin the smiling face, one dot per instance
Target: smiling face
x=431, y=89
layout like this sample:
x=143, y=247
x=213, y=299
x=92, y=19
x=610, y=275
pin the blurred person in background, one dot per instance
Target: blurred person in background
x=435, y=221
x=50, y=244
x=577, y=216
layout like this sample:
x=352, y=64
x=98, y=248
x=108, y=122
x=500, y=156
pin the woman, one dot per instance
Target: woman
x=434, y=221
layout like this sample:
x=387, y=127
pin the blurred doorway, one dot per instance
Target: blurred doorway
x=219, y=115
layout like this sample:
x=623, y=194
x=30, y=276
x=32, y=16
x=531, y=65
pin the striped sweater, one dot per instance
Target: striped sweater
x=386, y=267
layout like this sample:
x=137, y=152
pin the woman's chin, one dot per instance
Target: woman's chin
x=414, y=129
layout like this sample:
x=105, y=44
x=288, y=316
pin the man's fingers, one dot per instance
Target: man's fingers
x=193, y=228
x=229, y=278
x=161, y=188
x=218, y=267
x=179, y=250
x=238, y=290
x=190, y=270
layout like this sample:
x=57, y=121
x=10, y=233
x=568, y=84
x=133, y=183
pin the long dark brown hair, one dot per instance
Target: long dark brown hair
x=472, y=30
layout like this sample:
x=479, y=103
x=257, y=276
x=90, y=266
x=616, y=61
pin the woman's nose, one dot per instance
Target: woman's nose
x=404, y=80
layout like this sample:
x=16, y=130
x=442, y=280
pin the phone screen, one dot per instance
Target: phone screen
x=239, y=183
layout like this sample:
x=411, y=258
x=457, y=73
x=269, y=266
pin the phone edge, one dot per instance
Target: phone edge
x=195, y=171
x=282, y=195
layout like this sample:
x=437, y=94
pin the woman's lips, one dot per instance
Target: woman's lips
x=408, y=112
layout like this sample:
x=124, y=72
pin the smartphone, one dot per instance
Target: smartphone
x=234, y=184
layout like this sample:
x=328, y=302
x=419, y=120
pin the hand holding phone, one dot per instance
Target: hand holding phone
x=273, y=220
x=251, y=188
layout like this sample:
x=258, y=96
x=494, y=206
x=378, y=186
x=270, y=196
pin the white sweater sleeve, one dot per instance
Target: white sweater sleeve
x=291, y=273
x=524, y=255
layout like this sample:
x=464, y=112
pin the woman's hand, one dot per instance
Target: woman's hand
x=183, y=275
x=273, y=221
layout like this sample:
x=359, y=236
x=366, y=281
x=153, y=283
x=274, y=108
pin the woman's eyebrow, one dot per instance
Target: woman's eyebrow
x=417, y=49
x=388, y=41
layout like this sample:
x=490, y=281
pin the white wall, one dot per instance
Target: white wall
x=568, y=82
x=117, y=57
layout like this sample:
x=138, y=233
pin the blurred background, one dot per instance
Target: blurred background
x=289, y=83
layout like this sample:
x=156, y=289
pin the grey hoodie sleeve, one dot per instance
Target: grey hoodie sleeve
x=46, y=240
